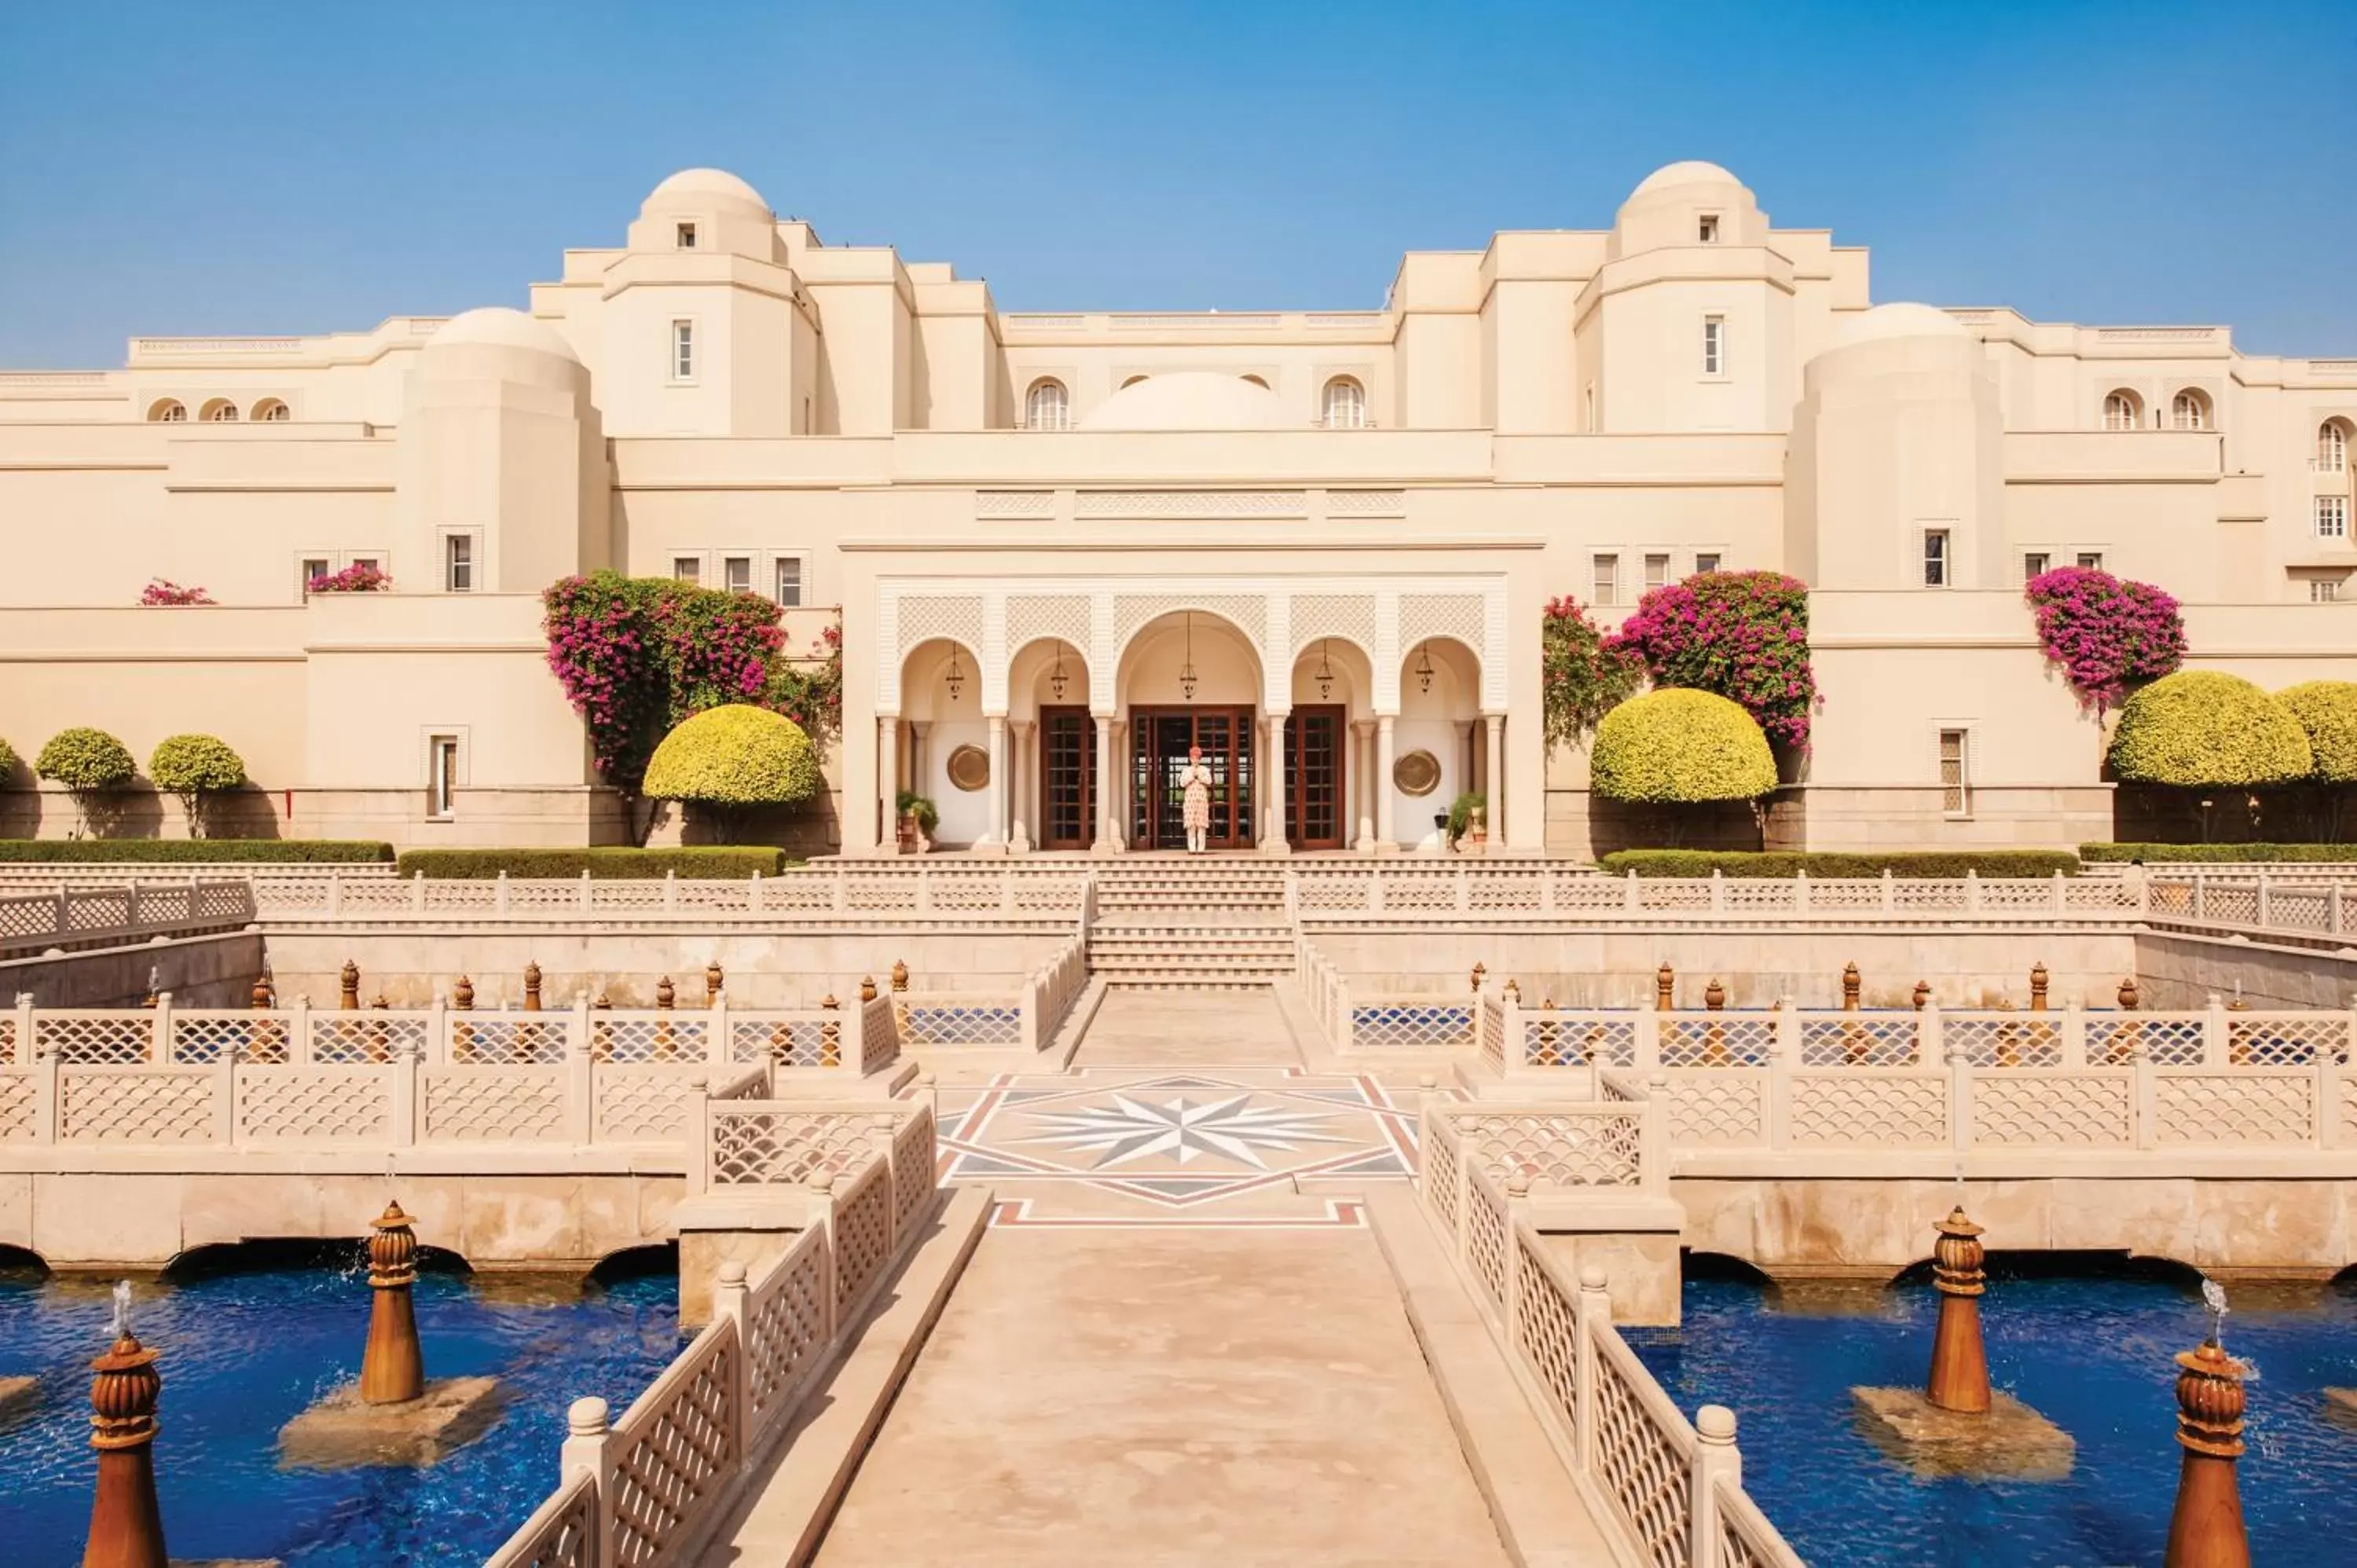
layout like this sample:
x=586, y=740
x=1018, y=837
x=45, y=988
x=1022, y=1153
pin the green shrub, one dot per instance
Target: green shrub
x=732, y=759
x=1905, y=862
x=195, y=767
x=2200, y=729
x=7, y=761
x=294, y=851
x=86, y=761
x=1461, y=813
x=2327, y=711
x=2160, y=853
x=615, y=862
x=1680, y=747
x=929, y=816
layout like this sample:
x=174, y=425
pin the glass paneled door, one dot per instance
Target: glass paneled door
x=1068, y=783
x=1314, y=791
x=1159, y=753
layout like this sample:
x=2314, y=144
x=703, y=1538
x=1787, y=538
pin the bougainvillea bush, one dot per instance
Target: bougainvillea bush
x=2110, y=637
x=1742, y=635
x=1583, y=674
x=811, y=692
x=160, y=591
x=359, y=578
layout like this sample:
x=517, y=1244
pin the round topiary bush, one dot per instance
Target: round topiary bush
x=2327, y=711
x=85, y=761
x=2199, y=729
x=195, y=767
x=1679, y=747
x=734, y=759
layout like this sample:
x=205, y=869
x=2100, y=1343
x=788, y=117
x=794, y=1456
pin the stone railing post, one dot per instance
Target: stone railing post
x=1628, y=895
x=1889, y=891
x=853, y=1037
x=298, y=1031
x=500, y=903
x=1931, y=1035
x=716, y=1031
x=1801, y=891
x=24, y=1051
x=2333, y=910
x=2146, y=1109
x=1464, y=891
x=1592, y=1318
x=581, y=1074
x=60, y=921
x=1717, y=892
x=335, y=895
x=728, y=1293
x=880, y=1128
x=1960, y=1099
x=585, y=891
x=160, y=1050
x=2200, y=910
x=1374, y=890
x=225, y=1095
x=48, y=1108
x=2214, y=1034
x=698, y=1107
x=2074, y=1033
x=417, y=893
x=2059, y=899
x=753, y=892
x=1654, y=1136
x=437, y=1031
x=1972, y=891
x=408, y=1066
x=670, y=892
x=1518, y=1217
x=585, y=1454
x=820, y=1187
x=1292, y=894
x=2265, y=911
x=1715, y=1456
x=1647, y=1041
x=1511, y=1052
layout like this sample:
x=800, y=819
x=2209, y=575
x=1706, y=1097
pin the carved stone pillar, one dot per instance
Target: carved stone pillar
x=1493, y=779
x=888, y=779
x=1386, y=841
x=1020, y=780
x=1362, y=784
x=1270, y=783
x=994, y=835
x=1107, y=833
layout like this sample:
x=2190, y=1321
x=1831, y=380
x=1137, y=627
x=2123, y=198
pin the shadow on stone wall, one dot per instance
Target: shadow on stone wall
x=2148, y=814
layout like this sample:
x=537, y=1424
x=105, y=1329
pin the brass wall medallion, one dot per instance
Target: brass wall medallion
x=1417, y=773
x=969, y=768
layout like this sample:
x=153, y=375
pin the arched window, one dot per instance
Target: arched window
x=220, y=410
x=2188, y=410
x=1047, y=406
x=168, y=412
x=1258, y=382
x=1344, y=406
x=2123, y=411
x=270, y=410
x=2332, y=446
x=1131, y=382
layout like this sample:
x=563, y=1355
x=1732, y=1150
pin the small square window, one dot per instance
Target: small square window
x=789, y=580
x=2091, y=559
x=314, y=568
x=2332, y=517
x=687, y=236
x=736, y=573
x=2036, y=563
x=1657, y=571
x=1709, y=229
x=1607, y=579
x=1706, y=559
x=2323, y=590
x=1935, y=558
x=365, y=561
x=458, y=563
x=1955, y=779
x=442, y=778
x=687, y=568
x=683, y=350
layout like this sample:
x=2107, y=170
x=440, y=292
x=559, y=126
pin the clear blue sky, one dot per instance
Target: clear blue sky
x=236, y=166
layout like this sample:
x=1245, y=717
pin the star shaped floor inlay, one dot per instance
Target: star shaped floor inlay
x=1132, y=1128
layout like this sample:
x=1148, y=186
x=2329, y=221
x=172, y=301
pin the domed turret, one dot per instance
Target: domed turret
x=1903, y=319
x=704, y=187
x=1190, y=400
x=1690, y=203
x=706, y=209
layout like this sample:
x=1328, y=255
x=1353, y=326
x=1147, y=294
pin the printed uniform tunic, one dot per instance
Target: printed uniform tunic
x=1196, y=780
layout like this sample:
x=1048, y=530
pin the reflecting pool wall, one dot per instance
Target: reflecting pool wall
x=2092, y=1353
x=244, y=1352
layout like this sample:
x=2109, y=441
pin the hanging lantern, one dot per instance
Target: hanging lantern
x=1187, y=670
x=1424, y=666
x=1325, y=671
x=1056, y=675
x=955, y=678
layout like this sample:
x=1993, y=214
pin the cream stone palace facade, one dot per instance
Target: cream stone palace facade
x=1063, y=547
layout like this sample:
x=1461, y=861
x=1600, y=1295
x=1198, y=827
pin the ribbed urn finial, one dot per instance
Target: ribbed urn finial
x=1665, y=988
x=126, y=1527
x=348, y=995
x=531, y=986
x=899, y=975
x=1714, y=995
x=714, y=977
x=392, y=1367
x=2038, y=979
x=2129, y=995
x=1959, y=1377
x=1851, y=984
x=867, y=988
x=1923, y=995
x=1480, y=971
x=2206, y=1530
x=462, y=995
x=664, y=992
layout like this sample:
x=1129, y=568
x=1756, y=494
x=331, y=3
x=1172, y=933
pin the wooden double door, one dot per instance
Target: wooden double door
x=1067, y=777
x=1159, y=741
x=1313, y=786
x=1317, y=794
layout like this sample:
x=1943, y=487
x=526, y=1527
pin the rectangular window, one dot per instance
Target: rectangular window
x=1706, y=559
x=1935, y=558
x=1956, y=772
x=683, y=350
x=442, y=778
x=687, y=568
x=687, y=236
x=736, y=573
x=1607, y=583
x=1708, y=232
x=368, y=560
x=2332, y=517
x=2091, y=559
x=789, y=580
x=1714, y=344
x=2036, y=563
x=1657, y=571
x=315, y=566
x=458, y=563
x=2323, y=590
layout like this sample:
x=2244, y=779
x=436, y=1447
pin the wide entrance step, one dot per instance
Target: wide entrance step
x=1181, y=952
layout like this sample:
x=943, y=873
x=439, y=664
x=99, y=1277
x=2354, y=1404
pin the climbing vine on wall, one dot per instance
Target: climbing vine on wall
x=2109, y=636
x=1743, y=635
x=1582, y=673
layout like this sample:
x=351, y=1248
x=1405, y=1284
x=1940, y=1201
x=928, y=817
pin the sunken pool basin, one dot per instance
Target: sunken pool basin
x=243, y=1352
x=2091, y=1351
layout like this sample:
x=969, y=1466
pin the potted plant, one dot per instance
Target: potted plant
x=1469, y=823
x=918, y=819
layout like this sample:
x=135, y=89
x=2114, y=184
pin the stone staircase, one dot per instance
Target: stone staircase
x=1190, y=923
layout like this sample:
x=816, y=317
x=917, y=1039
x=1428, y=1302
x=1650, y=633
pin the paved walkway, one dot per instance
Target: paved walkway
x=1188, y=1028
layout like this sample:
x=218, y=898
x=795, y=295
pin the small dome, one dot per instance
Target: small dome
x=1692, y=172
x=1190, y=400
x=497, y=326
x=698, y=185
x=1900, y=320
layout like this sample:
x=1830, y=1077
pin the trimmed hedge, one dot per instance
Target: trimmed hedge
x=2201, y=729
x=302, y=852
x=618, y=860
x=2327, y=709
x=2156, y=853
x=1680, y=747
x=734, y=757
x=1908, y=863
x=86, y=761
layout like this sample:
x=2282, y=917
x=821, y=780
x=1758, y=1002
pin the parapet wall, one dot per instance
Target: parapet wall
x=199, y=971
x=2182, y=970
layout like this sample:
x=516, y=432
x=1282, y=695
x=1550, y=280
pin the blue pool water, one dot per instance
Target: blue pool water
x=2091, y=1354
x=244, y=1353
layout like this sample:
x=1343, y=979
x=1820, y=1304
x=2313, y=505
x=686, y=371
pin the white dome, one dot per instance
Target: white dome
x=497, y=326
x=702, y=184
x=1898, y=320
x=1691, y=172
x=1190, y=400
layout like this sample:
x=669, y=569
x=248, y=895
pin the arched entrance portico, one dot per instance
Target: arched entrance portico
x=1190, y=678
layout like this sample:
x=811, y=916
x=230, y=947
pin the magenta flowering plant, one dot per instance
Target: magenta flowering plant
x=161, y=591
x=360, y=577
x=1582, y=675
x=2109, y=636
x=1742, y=635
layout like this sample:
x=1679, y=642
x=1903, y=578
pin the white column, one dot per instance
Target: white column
x=1494, y=778
x=1362, y=774
x=1385, y=839
x=1108, y=818
x=1269, y=779
x=994, y=835
x=1021, y=767
x=888, y=779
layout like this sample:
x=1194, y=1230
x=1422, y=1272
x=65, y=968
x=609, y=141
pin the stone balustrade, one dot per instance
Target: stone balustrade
x=1670, y=1490
x=653, y=1485
x=124, y=912
x=1458, y=890
x=875, y=892
x=2301, y=903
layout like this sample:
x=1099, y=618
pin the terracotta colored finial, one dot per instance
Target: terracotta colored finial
x=867, y=988
x=462, y=994
x=393, y=1368
x=664, y=992
x=899, y=975
x=126, y=1527
x=715, y=977
x=2129, y=995
x=260, y=996
x=2038, y=978
x=348, y=993
x=1959, y=1379
x=1714, y=995
x=2206, y=1528
x=1665, y=988
x=1480, y=971
x=531, y=986
x=1923, y=995
x=1851, y=984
